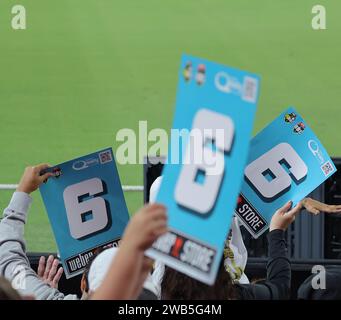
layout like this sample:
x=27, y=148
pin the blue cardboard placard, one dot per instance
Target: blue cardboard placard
x=86, y=207
x=286, y=162
x=217, y=105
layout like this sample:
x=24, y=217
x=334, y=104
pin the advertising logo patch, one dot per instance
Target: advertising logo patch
x=249, y=216
x=187, y=251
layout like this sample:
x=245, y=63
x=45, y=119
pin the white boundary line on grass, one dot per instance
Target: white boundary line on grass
x=125, y=188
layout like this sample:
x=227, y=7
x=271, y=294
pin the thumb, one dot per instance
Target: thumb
x=45, y=176
x=313, y=211
x=286, y=207
x=295, y=211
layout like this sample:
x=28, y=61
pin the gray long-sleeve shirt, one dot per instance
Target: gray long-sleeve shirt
x=14, y=264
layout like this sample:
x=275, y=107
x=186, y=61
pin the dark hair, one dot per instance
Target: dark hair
x=7, y=292
x=177, y=286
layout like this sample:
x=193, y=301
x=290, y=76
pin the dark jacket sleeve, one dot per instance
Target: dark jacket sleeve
x=278, y=278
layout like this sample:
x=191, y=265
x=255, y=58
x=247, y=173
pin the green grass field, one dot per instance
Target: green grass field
x=84, y=69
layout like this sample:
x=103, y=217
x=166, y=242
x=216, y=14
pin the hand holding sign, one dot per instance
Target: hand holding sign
x=32, y=178
x=284, y=216
x=145, y=227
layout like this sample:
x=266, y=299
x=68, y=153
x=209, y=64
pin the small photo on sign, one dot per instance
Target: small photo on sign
x=105, y=157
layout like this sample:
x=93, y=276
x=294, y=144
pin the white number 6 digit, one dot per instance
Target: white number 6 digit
x=201, y=197
x=270, y=162
x=79, y=227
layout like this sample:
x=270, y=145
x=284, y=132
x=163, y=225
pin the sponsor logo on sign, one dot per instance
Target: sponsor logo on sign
x=247, y=89
x=315, y=150
x=77, y=264
x=250, y=217
x=84, y=164
x=228, y=84
x=188, y=251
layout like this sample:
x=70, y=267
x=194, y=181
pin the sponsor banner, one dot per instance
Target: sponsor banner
x=178, y=247
x=76, y=264
x=249, y=215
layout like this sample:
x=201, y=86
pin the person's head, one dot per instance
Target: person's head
x=95, y=270
x=99, y=268
x=7, y=292
x=178, y=286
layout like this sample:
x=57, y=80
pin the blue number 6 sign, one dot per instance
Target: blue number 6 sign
x=216, y=104
x=86, y=207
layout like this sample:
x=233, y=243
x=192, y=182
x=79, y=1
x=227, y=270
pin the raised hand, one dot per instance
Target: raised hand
x=31, y=179
x=316, y=207
x=48, y=271
x=284, y=216
x=146, y=226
